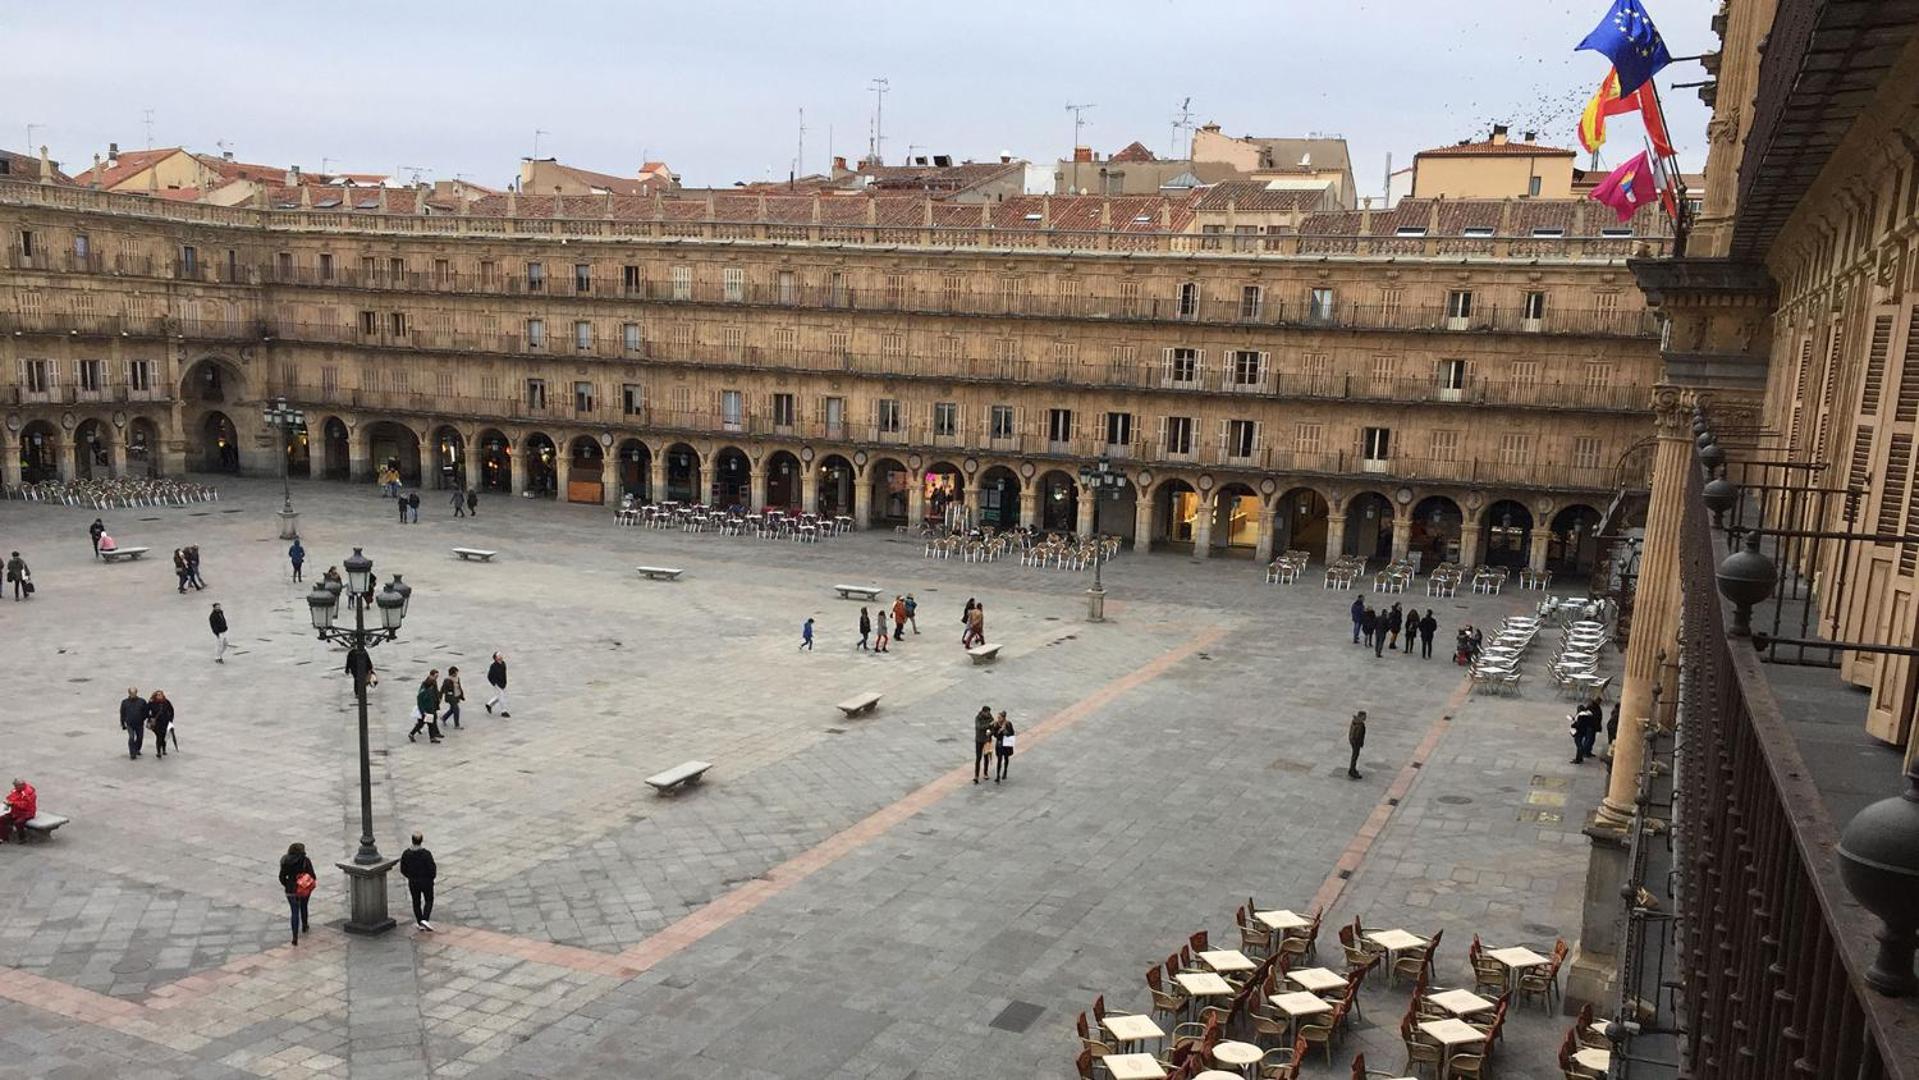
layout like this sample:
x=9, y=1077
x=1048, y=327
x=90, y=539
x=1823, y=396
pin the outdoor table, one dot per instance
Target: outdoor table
x=1131, y=1027
x=1461, y=1002
x=1283, y=920
x=1298, y=1003
x=1517, y=959
x=1318, y=980
x=1201, y=984
x=1451, y=1033
x=1599, y=1061
x=1226, y=961
x=1132, y=1067
x=1395, y=941
x=1217, y=1074
x=1240, y=1054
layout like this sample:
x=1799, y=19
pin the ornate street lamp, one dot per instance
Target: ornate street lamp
x=1095, y=478
x=286, y=421
x=366, y=874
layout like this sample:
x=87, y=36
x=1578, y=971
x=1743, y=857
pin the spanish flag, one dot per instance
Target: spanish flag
x=1607, y=102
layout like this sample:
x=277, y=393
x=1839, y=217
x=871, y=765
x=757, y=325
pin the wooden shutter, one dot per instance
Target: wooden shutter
x=1875, y=378
x=1859, y=472
x=1906, y=408
x=1892, y=495
x=1799, y=392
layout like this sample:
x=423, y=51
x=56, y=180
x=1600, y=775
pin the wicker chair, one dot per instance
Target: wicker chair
x=1324, y=1034
x=1420, y=1050
x=1167, y=1003
x=1254, y=940
x=1585, y=1035
x=1471, y=1066
x=1084, y=1064
x=1087, y=1042
x=1283, y=1063
x=1541, y=982
x=1489, y=975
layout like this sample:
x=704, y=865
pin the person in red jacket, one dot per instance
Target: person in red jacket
x=22, y=804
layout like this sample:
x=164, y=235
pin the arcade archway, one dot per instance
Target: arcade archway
x=1369, y=526
x=635, y=465
x=336, y=450
x=1175, y=512
x=1437, y=524
x=219, y=444
x=1299, y=522
x=783, y=482
x=542, y=466
x=732, y=478
x=585, y=461
x=143, y=446
x=999, y=497
x=1573, y=550
x=892, y=489
x=449, y=458
x=392, y=445
x=1058, y=502
x=39, y=461
x=496, y=461
x=682, y=474
x=92, y=450
x=1236, y=513
x=1509, y=534
x=944, y=493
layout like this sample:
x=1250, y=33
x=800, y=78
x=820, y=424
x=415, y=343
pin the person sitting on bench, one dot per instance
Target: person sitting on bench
x=107, y=543
x=22, y=804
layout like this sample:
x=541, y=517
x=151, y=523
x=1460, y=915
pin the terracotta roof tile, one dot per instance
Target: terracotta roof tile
x=1134, y=151
x=1492, y=149
x=1254, y=195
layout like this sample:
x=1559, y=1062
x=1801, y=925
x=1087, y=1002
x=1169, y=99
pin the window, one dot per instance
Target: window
x=1308, y=437
x=1179, y=435
x=329, y=379
x=1242, y=438
x=38, y=375
x=1542, y=232
x=442, y=272
x=396, y=323
x=1249, y=367
x=1532, y=185
x=1119, y=429
x=1059, y=425
x=786, y=340
x=1182, y=365
x=92, y=374
x=1515, y=448
x=789, y=288
x=189, y=260
x=489, y=274
x=1129, y=298
x=945, y=419
x=896, y=290
x=1319, y=306
x=582, y=277
x=582, y=335
x=1001, y=422
x=536, y=333
x=682, y=283
x=730, y=416
x=1375, y=443
x=1535, y=305
x=833, y=409
x=630, y=280
x=26, y=243
x=1385, y=368
x=630, y=337
x=1250, y=299
x=838, y=342
x=886, y=416
x=783, y=410
x=1012, y=294
x=1459, y=304
x=1444, y=445
x=1189, y=301
x=1586, y=451
x=734, y=340
x=582, y=398
x=1525, y=372
x=326, y=266
x=443, y=382
x=1477, y=232
x=1410, y=231
x=1616, y=232
x=1452, y=374
x=631, y=399
x=1607, y=303
x=140, y=374
x=536, y=395
x=836, y=290
x=893, y=346
x=952, y=288
x=395, y=269
x=1599, y=375
x=733, y=284
x=535, y=277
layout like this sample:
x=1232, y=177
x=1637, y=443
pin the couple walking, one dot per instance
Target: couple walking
x=298, y=882
x=435, y=692
x=993, y=737
x=138, y=715
x=973, y=618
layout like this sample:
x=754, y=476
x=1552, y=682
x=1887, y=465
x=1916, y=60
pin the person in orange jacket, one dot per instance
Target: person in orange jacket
x=22, y=804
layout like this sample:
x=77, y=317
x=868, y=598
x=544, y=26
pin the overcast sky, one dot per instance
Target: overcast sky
x=715, y=88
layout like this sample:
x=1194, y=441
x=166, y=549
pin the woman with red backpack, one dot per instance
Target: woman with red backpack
x=296, y=877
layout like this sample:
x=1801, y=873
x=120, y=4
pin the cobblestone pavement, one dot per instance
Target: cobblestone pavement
x=838, y=900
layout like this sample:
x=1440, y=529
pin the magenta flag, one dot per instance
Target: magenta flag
x=1629, y=187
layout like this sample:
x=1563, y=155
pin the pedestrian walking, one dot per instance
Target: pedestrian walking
x=1585, y=728
x=1428, y=626
x=899, y=616
x=912, y=612
x=866, y=627
x=1395, y=619
x=399, y=501
x=879, y=632
x=496, y=678
x=459, y=503
x=978, y=627
x=20, y=577
x=1359, y=615
x=806, y=634
x=296, y=877
x=451, y=694
x=1612, y=727
x=133, y=718
x=217, y=622
x=95, y=530
x=966, y=621
x=426, y=708
x=416, y=866
x=1002, y=744
x=193, y=568
x=1369, y=625
x=297, y=555
x=160, y=721
x=982, y=743
x=1356, y=738
x=472, y=503
x=413, y=507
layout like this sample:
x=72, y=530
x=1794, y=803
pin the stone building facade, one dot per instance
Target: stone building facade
x=1459, y=380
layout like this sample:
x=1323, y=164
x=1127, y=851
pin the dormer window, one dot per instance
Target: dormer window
x=1410, y=230
x=1478, y=232
x=1547, y=233
x=1033, y=217
x=1616, y=233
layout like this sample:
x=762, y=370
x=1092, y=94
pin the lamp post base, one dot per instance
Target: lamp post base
x=289, y=524
x=366, y=887
x=1096, y=605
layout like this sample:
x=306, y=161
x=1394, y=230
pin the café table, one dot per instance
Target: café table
x=1133, y=1067
x=1298, y=1004
x=1461, y=1002
x=1318, y=980
x=1131, y=1027
x=1217, y=1074
x=1203, y=984
x=1598, y=1061
x=1449, y=1034
x=1241, y=1055
x=1226, y=961
x=1517, y=959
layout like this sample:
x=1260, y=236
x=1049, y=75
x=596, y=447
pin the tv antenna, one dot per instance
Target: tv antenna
x=1182, y=121
x=147, y=118
x=799, y=155
x=880, y=87
x=415, y=170
x=1079, y=121
x=537, y=132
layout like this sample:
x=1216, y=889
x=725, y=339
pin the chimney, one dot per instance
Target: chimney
x=113, y=153
x=945, y=161
x=1082, y=154
x=95, y=184
x=1005, y=157
x=293, y=175
x=839, y=164
x=1499, y=135
x=226, y=155
x=1532, y=136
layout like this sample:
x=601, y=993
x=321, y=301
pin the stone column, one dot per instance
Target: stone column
x=169, y=454
x=756, y=498
x=1536, y=558
x=1402, y=531
x=810, y=489
x=1143, y=520
x=609, y=480
x=1028, y=502
x=518, y=470
x=63, y=456
x=10, y=461
x=1088, y=503
x=915, y=500
x=972, y=503
x=1203, y=525
x=118, y=453
x=359, y=457
x=1469, y=542
x=1263, y=543
x=656, y=477
x=863, y=500
x=472, y=465
x=1335, y=534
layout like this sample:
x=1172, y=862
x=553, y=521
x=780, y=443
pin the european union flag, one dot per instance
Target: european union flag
x=1627, y=36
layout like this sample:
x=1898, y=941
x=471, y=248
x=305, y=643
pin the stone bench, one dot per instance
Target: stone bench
x=40, y=826
x=129, y=553
x=474, y=553
x=868, y=593
x=861, y=704
x=660, y=573
x=685, y=774
x=983, y=654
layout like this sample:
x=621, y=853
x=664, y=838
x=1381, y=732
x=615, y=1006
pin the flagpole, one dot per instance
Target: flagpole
x=1681, y=213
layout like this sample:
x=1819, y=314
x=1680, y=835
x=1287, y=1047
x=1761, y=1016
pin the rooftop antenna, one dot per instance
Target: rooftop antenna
x=1079, y=121
x=415, y=170
x=226, y=148
x=1183, y=121
x=31, y=128
x=799, y=155
x=325, y=162
x=147, y=118
x=537, y=132
x=878, y=149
